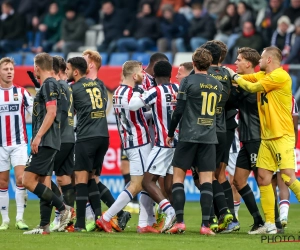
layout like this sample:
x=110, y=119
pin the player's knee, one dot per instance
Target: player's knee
x=19, y=180
x=3, y=183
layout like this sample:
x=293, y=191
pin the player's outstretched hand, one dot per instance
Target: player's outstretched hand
x=33, y=79
x=169, y=141
x=231, y=72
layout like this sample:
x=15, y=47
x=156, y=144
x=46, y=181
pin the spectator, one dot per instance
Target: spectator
x=176, y=4
x=145, y=32
x=12, y=29
x=294, y=56
x=154, y=5
x=267, y=18
x=281, y=37
x=293, y=11
x=114, y=24
x=202, y=27
x=89, y=9
x=227, y=23
x=173, y=29
x=249, y=38
x=73, y=29
x=50, y=28
x=129, y=7
x=245, y=14
x=215, y=7
x=255, y=4
x=186, y=9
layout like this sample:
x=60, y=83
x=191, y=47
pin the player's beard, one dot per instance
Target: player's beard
x=71, y=79
x=262, y=67
x=138, y=80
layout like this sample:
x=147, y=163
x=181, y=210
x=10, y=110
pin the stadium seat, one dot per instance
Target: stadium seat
x=117, y=59
x=141, y=57
x=28, y=61
x=169, y=55
x=73, y=54
x=104, y=58
x=57, y=54
x=181, y=57
x=90, y=41
x=17, y=58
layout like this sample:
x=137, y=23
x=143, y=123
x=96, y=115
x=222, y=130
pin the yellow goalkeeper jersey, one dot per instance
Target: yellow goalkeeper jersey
x=274, y=105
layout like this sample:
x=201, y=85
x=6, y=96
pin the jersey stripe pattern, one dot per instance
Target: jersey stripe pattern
x=162, y=99
x=236, y=145
x=13, y=102
x=295, y=110
x=148, y=81
x=132, y=125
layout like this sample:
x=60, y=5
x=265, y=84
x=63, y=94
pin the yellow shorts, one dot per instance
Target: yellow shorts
x=277, y=153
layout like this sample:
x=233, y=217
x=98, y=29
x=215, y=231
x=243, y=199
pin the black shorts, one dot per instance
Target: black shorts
x=89, y=154
x=229, y=139
x=220, y=147
x=200, y=155
x=123, y=154
x=41, y=163
x=248, y=155
x=64, y=160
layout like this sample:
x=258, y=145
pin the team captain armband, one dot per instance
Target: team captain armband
x=51, y=103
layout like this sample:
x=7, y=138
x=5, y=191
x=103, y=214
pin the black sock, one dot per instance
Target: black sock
x=216, y=210
x=46, y=193
x=135, y=199
x=219, y=197
x=126, y=178
x=178, y=200
x=229, y=198
x=248, y=197
x=45, y=212
x=55, y=189
x=206, y=202
x=94, y=197
x=68, y=194
x=212, y=214
x=105, y=195
x=277, y=217
x=81, y=200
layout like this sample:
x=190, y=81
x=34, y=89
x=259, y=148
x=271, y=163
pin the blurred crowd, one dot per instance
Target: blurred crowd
x=151, y=25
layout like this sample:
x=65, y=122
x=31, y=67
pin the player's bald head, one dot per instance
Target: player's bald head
x=274, y=53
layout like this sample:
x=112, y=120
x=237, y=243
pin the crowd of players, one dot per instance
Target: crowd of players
x=165, y=130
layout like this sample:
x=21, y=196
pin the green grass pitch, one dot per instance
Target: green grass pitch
x=129, y=239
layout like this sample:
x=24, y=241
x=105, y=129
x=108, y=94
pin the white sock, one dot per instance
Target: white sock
x=89, y=213
x=151, y=213
x=118, y=205
x=57, y=217
x=284, y=206
x=21, y=198
x=145, y=202
x=4, y=204
x=237, y=205
x=166, y=206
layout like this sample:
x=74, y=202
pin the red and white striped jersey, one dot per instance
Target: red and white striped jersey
x=163, y=102
x=148, y=81
x=236, y=144
x=295, y=110
x=132, y=125
x=13, y=102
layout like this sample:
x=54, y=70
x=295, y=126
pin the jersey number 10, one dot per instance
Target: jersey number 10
x=208, y=103
x=95, y=95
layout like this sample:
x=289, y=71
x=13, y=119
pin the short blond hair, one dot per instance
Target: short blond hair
x=93, y=56
x=7, y=60
x=275, y=52
x=44, y=61
x=187, y=65
x=129, y=67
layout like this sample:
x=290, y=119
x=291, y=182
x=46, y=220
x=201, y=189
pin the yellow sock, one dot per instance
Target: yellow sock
x=295, y=187
x=268, y=202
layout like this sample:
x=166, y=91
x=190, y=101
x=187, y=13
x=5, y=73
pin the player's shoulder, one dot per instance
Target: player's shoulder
x=21, y=89
x=279, y=75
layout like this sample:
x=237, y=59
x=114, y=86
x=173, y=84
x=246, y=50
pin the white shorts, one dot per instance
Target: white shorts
x=13, y=155
x=232, y=163
x=159, y=161
x=137, y=159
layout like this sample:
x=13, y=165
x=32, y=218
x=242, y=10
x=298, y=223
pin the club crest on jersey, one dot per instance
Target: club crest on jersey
x=16, y=98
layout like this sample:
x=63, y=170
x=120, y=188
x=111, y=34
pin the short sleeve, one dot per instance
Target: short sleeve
x=50, y=91
x=182, y=92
